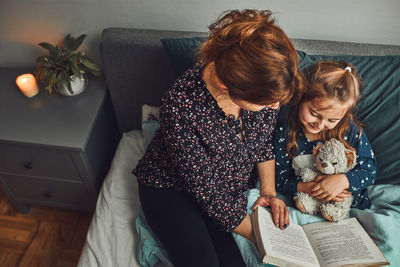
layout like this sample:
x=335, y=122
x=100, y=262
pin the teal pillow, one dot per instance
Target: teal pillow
x=182, y=52
x=378, y=108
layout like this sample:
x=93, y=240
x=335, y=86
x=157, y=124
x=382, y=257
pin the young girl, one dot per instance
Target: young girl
x=325, y=112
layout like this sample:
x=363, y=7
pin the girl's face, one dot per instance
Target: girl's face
x=321, y=114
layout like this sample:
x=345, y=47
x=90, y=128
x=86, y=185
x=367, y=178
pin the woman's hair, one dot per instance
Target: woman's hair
x=327, y=79
x=253, y=57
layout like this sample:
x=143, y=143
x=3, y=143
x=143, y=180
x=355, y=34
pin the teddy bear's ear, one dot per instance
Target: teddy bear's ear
x=351, y=158
x=316, y=149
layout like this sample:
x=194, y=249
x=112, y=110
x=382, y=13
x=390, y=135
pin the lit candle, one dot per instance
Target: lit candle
x=27, y=85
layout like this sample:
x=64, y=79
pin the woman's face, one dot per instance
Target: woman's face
x=321, y=114
x=253, y=107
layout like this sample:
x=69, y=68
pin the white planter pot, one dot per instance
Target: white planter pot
x=77, y=86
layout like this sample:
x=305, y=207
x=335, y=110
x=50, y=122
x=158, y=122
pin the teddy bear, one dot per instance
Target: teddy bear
x=330, y=157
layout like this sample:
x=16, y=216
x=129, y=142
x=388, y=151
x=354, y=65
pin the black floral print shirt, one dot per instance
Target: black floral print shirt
x=197, y=151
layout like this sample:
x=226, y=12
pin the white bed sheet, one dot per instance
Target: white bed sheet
x=112, y=237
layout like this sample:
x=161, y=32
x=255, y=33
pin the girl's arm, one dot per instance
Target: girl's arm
x=364, y=173
x=333, y=187
x=286, y=181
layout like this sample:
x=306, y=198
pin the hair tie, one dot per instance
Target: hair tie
x=348, y=68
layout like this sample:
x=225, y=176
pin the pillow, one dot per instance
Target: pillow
x=378, y=108
x=182, y=52
x=149, y=128
x=150, y=113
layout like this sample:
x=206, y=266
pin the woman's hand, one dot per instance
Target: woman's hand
x=280, y=213
x=331, y=187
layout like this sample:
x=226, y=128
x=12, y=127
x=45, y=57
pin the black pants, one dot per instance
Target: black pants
x=186, y=235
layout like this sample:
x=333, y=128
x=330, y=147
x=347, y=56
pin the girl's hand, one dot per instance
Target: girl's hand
x=306, y=187
x=329, y=187
x=280, y=213
x=342, y=196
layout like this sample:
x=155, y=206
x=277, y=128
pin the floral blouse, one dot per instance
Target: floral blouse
x=197, y=151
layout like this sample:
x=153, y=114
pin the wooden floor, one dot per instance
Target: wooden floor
x=44, y=237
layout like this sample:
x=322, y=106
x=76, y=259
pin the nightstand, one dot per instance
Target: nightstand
x=54, y=150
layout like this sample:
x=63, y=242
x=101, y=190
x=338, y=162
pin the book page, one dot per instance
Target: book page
x=290, y=244
x=344, y=242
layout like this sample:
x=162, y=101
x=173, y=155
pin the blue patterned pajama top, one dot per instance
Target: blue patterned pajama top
x=360, y=177
x=197, y=151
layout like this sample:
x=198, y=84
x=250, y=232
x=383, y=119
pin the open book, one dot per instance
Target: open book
x=329, y=244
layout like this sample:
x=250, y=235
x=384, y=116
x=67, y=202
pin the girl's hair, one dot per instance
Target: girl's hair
x=253, y=57
x=327, y=79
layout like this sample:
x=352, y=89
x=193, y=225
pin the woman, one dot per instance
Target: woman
x=214, y=141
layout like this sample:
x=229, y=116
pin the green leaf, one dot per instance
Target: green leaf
x=66, y=56
x=81, y=54
x=78, y=41
x=45, y=74
x=68, y=42
x=74, y=58
x=76, y=70
x=92, y=67
x=49, y=87
x=53, y=77
x=47, y=46
x=41, y=59
x=56, y=52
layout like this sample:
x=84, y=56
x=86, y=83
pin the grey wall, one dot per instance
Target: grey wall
x=24, y=23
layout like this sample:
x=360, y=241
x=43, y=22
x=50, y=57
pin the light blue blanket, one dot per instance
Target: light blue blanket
x=381, y=221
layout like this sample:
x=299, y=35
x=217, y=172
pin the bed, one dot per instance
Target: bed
x=139, y=67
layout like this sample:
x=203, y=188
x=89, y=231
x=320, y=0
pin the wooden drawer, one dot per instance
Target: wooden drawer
x=32, y=189
x=27, y=160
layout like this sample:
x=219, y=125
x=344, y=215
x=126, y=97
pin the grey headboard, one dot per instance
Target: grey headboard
x=138, y=71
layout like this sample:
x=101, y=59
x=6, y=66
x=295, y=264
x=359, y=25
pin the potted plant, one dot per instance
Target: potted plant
x=64, y=67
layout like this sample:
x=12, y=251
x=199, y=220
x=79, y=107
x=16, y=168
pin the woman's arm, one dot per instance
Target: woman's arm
x=266, y=174
x=245, y=229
